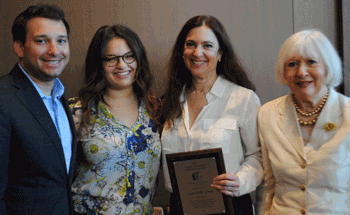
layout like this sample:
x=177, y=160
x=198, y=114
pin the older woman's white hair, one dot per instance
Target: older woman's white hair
x=309, y=44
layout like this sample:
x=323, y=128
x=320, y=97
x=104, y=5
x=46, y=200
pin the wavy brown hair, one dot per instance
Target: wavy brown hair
x=95, y=83
x=179, y=76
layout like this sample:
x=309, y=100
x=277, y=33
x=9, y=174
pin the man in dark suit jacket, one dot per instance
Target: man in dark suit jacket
x=37, y=132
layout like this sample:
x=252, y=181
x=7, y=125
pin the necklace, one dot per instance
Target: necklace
x=317, y=110
x=310, y=122
x=305, y=114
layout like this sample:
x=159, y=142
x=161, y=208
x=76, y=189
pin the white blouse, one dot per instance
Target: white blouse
x=228, y=121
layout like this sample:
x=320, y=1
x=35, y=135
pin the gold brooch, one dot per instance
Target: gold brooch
x=330, y=126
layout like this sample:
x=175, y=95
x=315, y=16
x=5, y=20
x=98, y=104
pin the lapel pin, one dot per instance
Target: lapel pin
x=330, y=126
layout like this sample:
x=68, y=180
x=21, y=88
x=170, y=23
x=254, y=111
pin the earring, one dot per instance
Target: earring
x=219, y=60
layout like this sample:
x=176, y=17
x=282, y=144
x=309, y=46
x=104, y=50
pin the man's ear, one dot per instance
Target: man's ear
x=19, y=47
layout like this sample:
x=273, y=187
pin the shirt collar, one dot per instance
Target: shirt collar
x=57, y=90
x=217, y=90
x=219, y=87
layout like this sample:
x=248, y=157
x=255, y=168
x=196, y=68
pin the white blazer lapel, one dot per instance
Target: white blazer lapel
x=289, y=125
x=332, y=112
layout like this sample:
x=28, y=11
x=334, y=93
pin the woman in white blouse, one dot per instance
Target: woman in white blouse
x=305, y=135
x=209, y=103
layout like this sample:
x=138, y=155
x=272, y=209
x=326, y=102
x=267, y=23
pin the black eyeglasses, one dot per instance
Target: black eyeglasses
x=112, y=61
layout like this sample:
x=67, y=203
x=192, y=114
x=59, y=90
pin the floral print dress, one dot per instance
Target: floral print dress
x=122, y=165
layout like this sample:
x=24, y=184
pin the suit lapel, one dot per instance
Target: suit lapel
x=74, y=137
x=30, y=98
x=332, y=112
x=289, y=125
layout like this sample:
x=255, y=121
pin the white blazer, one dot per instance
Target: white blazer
x=300, y=181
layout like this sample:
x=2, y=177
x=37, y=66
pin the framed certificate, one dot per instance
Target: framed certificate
x=191, y=174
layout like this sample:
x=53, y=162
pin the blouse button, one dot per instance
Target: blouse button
x=303, y=165
x=303, y=211
x=303, y=187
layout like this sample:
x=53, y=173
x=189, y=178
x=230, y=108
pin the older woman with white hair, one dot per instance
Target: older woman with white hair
x=305, y=136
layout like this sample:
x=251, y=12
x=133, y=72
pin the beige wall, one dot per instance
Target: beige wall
x=316, y=14
x=257, y=28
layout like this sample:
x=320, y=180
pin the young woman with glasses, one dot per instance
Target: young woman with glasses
x=116, y=119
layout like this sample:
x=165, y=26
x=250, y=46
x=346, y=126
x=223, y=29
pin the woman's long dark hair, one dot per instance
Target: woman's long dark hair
x=95, y=83
x=180, y=76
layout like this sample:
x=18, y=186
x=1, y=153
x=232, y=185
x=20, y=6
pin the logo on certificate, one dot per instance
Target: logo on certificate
x=196, y=176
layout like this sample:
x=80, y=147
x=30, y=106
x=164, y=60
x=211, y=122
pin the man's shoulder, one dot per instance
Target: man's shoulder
x=10, y=85
x=14, y=80
x=6, y=85
x=14, y=73
x=5, y=80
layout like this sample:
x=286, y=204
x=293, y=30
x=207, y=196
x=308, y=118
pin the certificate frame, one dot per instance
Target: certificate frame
x=217, y=155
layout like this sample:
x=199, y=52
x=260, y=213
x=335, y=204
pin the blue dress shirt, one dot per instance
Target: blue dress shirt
x=59, y=116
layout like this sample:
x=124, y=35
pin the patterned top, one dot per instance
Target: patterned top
x=123, y=163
